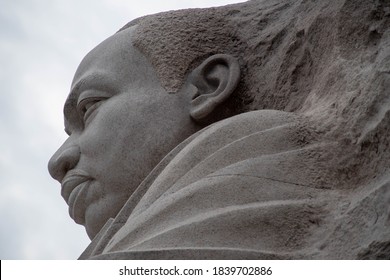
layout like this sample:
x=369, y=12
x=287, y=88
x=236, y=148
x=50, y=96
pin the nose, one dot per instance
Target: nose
x=65, y=159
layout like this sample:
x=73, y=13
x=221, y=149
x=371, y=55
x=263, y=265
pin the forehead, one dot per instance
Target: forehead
x=115, y=57
x=114, y=65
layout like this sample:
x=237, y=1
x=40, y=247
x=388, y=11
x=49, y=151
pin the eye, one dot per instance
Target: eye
x=88, y=105
x=89, y=100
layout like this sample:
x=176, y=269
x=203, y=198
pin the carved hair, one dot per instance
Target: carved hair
x=176, y=42
x=258, y=33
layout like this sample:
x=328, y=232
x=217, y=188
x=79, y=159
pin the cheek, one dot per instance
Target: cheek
x=116, y=146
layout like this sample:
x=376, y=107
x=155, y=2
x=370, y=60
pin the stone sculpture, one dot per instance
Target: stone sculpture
x=257, y=130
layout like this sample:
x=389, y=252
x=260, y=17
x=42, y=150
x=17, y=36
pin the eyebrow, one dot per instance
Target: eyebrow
x=77, y=89
x=96, y=80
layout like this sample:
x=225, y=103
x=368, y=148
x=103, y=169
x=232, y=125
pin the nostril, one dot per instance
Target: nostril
x=63, y=161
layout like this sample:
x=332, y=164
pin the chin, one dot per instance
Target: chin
x=94, y=221
x=97, y=214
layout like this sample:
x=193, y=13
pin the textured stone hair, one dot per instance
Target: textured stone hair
x=176, y=42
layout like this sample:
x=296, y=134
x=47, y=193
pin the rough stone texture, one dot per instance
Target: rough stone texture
x=329, y=60
x=326, y=59
x=303, y=176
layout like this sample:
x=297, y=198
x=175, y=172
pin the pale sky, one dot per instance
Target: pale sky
x=41, y=45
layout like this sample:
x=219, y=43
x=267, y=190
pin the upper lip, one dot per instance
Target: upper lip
x=71, y=180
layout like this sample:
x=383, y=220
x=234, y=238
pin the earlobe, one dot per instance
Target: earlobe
x=215, y=80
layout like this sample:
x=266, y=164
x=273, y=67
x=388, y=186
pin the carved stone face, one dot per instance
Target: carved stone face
x=121, y=123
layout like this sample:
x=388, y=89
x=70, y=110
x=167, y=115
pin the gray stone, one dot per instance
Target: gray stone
x=258, y=130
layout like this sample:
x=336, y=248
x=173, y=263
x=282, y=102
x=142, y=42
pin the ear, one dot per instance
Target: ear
x=215, y=80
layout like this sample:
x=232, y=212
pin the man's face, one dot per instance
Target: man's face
x=121, y=123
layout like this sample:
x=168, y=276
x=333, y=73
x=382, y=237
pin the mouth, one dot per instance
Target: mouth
x=74, y=188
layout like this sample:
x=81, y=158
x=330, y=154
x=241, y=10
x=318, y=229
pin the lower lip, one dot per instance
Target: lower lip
x=77, y=202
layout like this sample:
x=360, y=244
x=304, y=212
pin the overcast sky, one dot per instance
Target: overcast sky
x=41, y=45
